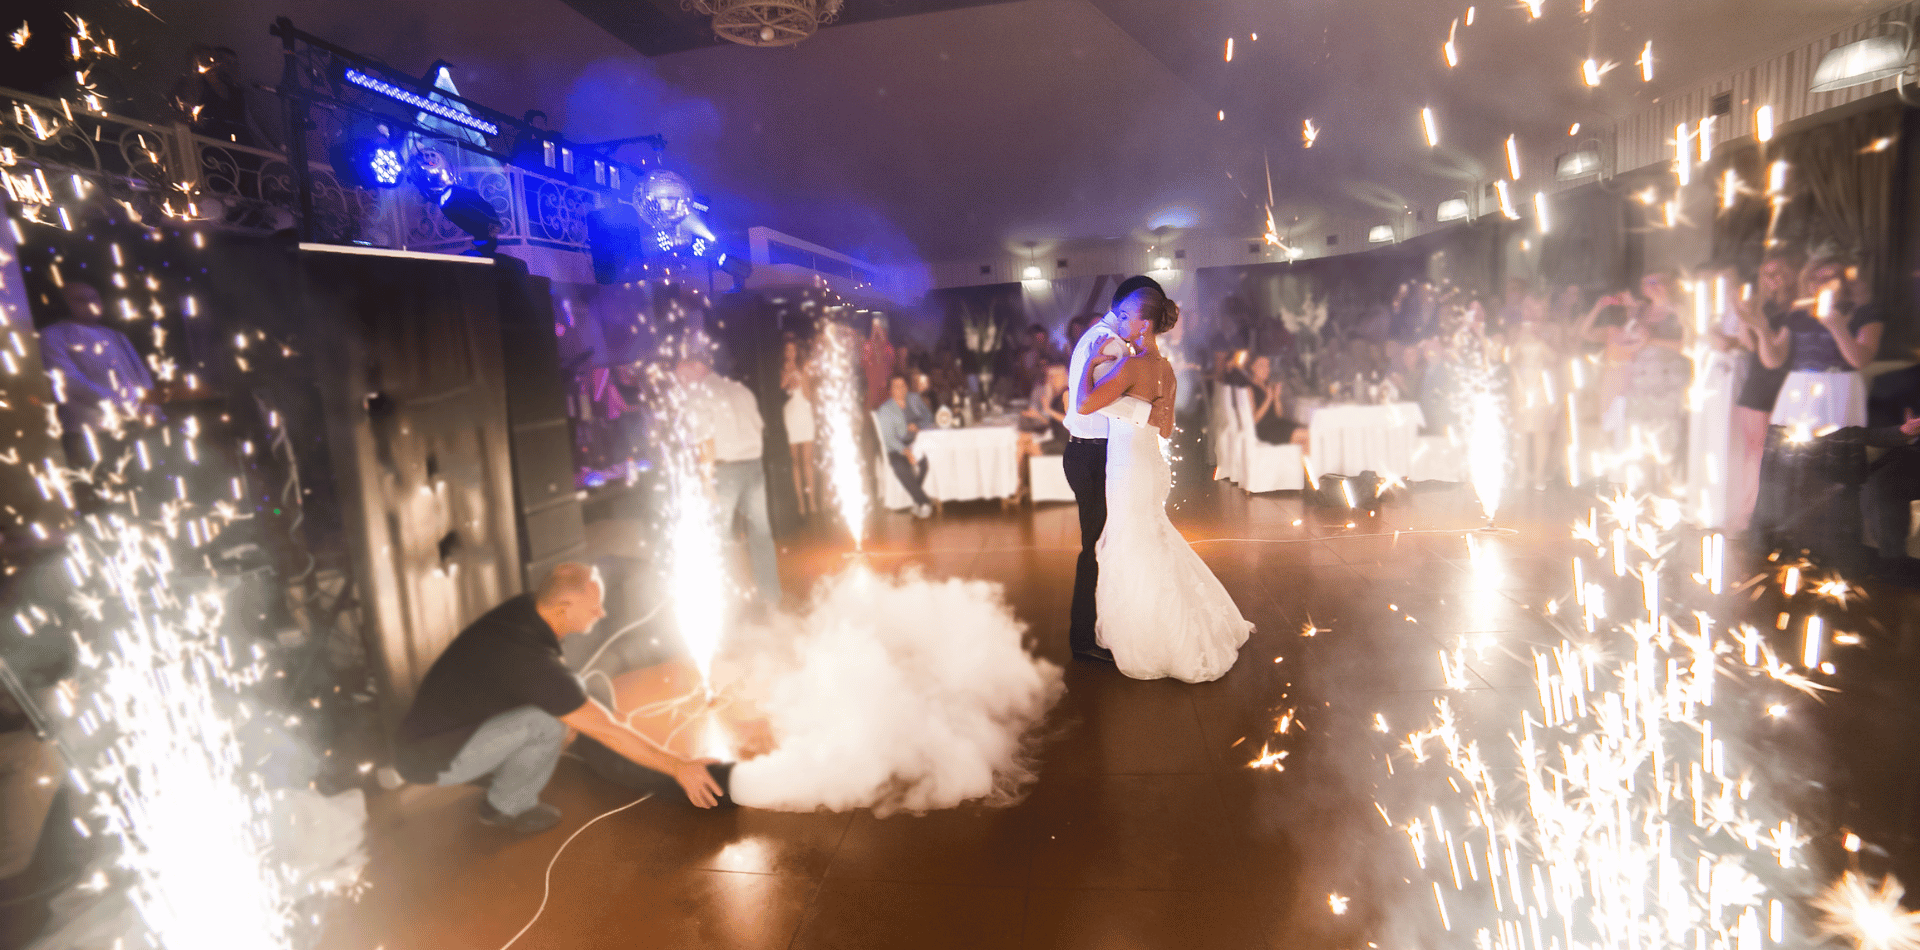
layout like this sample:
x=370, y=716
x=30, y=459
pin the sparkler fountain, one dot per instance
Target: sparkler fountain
x=1486, y=419
x=1623, y=816
x=838, y=408
x=702, y=595
x=163, y=718
x=192, y=818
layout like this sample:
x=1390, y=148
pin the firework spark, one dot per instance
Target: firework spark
x=698, y=563
x=190, y=813
x=839, y=410
x=1867, y=915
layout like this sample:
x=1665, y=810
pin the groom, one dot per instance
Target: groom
x=1085, y=457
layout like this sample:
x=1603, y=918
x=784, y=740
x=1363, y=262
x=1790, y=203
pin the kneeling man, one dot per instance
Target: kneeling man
x=498, y=702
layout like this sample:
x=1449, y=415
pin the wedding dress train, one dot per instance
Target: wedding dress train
x=1161, y=611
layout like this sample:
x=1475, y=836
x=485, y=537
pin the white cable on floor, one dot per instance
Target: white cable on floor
x=546, y=884
x=922, y=552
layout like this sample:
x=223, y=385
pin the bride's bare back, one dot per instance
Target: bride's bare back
x=1147, y=376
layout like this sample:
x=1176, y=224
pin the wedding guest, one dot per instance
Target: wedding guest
x=1043, y=423
x=1536, y=389
x=498, y=702
x=797, y=381
x=1077, y=328
x=1893, y=480
x=1513, y=306
x=1271, y=424
x=1611, y=324
x=1030, y=362
x=876, y=357
x=99, y=370
x=1824, y=342
x=212, y=98
x=902, y=418
x=1778, y=284
x=724, y=422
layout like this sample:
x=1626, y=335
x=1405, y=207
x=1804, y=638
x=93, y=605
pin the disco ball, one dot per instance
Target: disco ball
x=664, y=198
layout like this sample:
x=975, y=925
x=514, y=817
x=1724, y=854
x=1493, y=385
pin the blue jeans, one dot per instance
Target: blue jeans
x=742, y=487
x=519, y=748
x=912, y=476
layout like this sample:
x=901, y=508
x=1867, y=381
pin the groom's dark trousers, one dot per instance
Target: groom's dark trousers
x=1085, y=462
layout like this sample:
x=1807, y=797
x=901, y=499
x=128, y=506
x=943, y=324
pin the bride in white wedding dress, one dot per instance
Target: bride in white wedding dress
x=1160, y=609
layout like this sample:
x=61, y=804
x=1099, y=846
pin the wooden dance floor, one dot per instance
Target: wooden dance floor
x=1146, y=828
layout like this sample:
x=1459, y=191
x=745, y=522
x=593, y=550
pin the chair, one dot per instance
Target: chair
x=1267, y=467
x=893, y=495
x=1047, y=475
x=1229, y=452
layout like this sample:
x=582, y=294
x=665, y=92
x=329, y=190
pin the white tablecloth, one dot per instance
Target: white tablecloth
x=1348, y=440
x=963, y=464
x=1713, y=452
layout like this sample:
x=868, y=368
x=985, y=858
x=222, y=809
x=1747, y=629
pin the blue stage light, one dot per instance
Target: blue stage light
x=384, y=166
x=438, y=108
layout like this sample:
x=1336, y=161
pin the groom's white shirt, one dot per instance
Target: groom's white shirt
x=1079, y=424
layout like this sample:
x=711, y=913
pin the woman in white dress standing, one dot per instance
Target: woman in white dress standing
x=798, y=415
x=1161, y=611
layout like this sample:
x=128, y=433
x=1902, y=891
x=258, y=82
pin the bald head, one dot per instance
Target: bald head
x=570, y=599
x=83, y=302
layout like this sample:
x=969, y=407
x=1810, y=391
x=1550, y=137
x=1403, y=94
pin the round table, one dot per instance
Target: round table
x=1350, y=439
x=963, y=465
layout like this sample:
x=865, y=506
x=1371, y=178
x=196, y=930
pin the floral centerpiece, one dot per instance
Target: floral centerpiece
x=984, y=336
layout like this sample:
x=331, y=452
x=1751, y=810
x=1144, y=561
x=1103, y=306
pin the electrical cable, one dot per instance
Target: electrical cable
x=546, y=883
x=1039, y=547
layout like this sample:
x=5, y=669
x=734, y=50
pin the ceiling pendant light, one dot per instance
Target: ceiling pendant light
x=1856, y=64
x=766, y=22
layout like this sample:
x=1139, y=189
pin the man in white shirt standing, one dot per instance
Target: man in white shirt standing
x=724, y=421
x=1085, y=457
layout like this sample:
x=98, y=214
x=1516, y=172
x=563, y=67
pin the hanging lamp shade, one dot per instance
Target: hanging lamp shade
x=1856, y=64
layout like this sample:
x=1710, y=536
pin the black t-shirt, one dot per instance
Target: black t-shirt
x=506, y=659
x=1762, y=387
x=1814, y=348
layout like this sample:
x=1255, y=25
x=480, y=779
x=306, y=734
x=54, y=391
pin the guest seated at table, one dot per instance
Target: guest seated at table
x=1405, y=365
x=1270, y=422
x=901, y=419
x=1030, y=362
x=1043, y=424
x=946, y=378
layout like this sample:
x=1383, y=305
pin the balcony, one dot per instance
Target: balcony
x=54, y=155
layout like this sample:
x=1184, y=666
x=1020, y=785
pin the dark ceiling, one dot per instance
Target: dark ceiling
x=658, y=27
x=939, y=130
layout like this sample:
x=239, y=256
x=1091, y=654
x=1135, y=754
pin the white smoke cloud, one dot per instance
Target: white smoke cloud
x=898, y=693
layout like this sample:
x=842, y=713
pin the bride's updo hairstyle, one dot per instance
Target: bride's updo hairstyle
x=1165, y=315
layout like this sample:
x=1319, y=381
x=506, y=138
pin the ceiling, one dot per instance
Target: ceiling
x=656, y=27
x=928, y=129
x=947, y=129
